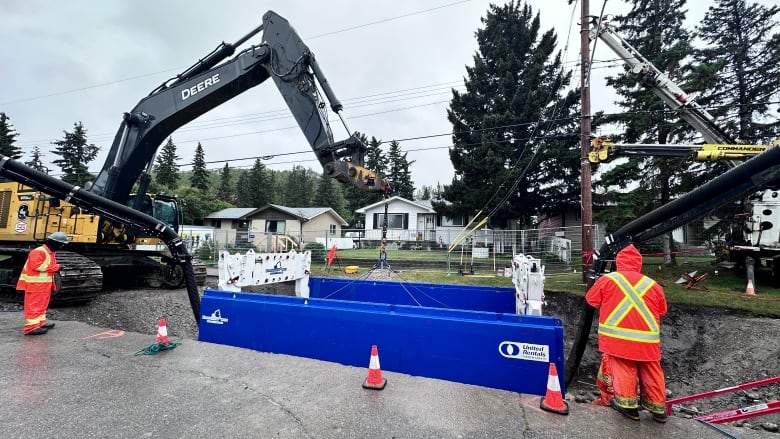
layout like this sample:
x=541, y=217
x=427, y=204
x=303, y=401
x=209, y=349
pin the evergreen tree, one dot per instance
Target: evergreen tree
x=738, y=71
x=75, y=155
x=8, y=137
x=254, y=186
x=166, y=169
x=398, y=172
x=375, y=160
x=225, y=190
x=423, y=193
x=200, y=175
x=243, y=197
x=35, y=161
x=329, y=194
x=298, y=187
x=513, y=152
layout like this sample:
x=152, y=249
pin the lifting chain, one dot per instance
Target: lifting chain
x=383, y=246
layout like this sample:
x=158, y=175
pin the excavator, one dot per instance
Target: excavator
x=106, y=221
x=758, y=175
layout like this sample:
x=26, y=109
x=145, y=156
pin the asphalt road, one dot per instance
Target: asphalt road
x=87, y=382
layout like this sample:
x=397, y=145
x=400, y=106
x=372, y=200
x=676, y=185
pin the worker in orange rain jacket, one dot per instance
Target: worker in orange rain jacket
x=630, y=308
x=37, y=282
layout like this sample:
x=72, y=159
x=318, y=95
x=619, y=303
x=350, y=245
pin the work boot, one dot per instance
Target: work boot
x=38, y=331
x=48, y=325
x=659, y=417
x=629, y=413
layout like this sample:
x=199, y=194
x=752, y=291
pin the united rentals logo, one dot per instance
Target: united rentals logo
x=215, y=318
x=524, y=351
x=277, y=269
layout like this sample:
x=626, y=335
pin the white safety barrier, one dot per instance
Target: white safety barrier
x=528, y=278
x=253, y=269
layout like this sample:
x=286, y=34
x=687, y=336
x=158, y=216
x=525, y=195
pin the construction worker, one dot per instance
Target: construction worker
x=37, y=282
x=630, y=308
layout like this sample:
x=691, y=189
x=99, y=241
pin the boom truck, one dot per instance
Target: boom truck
x=754, y=236
x=106, y=221
x=760, y=174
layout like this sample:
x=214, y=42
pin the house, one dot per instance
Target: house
x=275, y=228
x=410, y=221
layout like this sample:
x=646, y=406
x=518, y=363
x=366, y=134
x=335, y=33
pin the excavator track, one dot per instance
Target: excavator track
x=78, y=282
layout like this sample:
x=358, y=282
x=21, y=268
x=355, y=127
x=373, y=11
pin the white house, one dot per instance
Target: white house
x=410, y=221
x=275, y=228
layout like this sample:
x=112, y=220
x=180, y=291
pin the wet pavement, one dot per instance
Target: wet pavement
x=87, y=382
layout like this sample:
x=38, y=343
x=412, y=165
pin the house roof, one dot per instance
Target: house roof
x=306, y=213
x=232, y=213
x=422, y=204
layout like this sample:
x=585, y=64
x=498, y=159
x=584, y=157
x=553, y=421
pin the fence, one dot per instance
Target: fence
x=486, y=250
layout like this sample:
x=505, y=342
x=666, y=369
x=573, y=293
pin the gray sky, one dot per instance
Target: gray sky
x=391, y=63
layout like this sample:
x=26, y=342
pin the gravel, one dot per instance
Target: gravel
x=704, y=349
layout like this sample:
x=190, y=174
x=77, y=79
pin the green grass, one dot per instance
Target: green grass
x=724, y=290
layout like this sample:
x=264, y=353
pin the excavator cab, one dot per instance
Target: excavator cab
x=165, y=208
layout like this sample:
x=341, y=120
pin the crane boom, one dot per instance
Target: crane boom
x=649, y=76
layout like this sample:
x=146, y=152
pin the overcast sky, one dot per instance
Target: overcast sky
x=391, y=63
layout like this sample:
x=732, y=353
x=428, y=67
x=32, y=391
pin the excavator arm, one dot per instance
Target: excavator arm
x=216, y=79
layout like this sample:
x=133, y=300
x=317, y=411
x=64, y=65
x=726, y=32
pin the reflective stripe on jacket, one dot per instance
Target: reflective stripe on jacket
x=630, y=308
x=37, y=273
x=618, y=326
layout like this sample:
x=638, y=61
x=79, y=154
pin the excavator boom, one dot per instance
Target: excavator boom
x=283, y=57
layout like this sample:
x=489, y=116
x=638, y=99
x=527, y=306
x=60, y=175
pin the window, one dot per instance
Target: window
x=332, y=229
x=275, y=226
x=454, y=221
x=394, y=220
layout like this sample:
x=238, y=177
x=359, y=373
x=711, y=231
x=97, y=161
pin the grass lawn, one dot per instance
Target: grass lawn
x=726, y=289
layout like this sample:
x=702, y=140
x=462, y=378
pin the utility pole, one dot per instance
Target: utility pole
x=585, y=185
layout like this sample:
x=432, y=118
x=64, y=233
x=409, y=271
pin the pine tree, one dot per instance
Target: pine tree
x=298, y=187
x=512, y=151
x=225, y=190
x=8, y=137
x=398, y=171
x=254, y=187
x=329, y=194
x=200, y=175
x=738, y=71
x=166, y=169
x=75, y=155
x=375, y=160
x=243, y=197
x=35, y=161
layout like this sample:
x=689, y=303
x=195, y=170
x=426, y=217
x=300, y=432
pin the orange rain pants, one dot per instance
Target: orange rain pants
x=646, y=376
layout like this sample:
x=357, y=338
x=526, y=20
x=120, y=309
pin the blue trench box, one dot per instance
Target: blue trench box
x=466, y=334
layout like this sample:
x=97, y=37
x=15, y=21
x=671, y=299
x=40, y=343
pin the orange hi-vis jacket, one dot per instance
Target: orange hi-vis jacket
x=630, y=308
x=37, y=273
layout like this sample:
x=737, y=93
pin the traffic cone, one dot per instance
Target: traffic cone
x=162, y=332
x=374, y=380
x=750, y=291
x=553, y=400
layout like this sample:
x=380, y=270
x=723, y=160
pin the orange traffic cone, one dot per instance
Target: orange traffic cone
x=553, y=400
x=374, y=380
x=162, y=332
x=750, y=291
